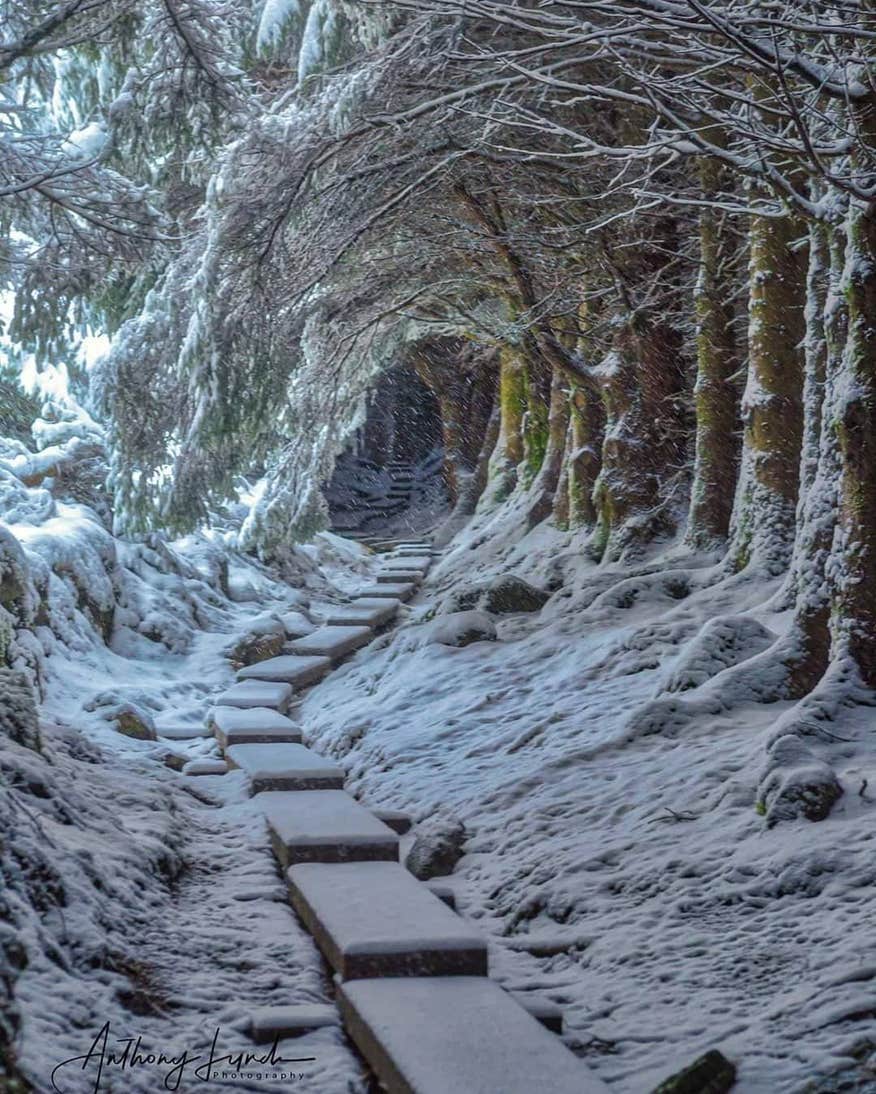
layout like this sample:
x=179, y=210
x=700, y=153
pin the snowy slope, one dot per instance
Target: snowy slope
x=615, y=853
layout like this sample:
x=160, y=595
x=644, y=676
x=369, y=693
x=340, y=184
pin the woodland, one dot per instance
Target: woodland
x=627, y=251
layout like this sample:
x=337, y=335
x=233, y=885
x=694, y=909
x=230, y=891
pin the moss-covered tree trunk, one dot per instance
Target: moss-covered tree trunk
x=586, y=427
x=808, y=644
x=715, y=395
x=508, y=453
x=772, y=408
x=546, y=482
x=641, y=380
x=854, y=569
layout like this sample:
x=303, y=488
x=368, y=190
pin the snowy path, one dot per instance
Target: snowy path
x=420, y=1009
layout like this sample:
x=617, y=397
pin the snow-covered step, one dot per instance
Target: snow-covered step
x=269, y=1024
x=285, y=767
x=183, y=733
x=298, y=671
x=363, y=612
x=442, y=890
x=256, y=725
x=543, y=1010
x=325, y=826
x=256, y=693
x=392, y=577
x=401, y=590
x=397, y=821
x=445, y=1035
x=376, y=919
x=334, y=642
x=413, y=563
x=205, y=767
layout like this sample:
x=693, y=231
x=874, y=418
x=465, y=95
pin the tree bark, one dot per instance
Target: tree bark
x=715, y=395
x=772, y=405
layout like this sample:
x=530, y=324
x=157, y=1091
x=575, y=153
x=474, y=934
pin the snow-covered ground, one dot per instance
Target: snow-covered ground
x=604, y=754
x=131, y=894
x=616, y=855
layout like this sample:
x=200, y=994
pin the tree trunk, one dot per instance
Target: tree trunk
x=641, y=380
x=586, y=426
x=854, y=599
x=715, y=395
x=544, y=487
x=772, y=404
x=508, y=454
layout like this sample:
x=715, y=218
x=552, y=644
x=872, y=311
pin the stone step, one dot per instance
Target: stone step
x=269, y=1024
x=363, y=612
x=375, y=919
x=414, y=563
x=542, y=1010
x=397, y=821
x=442, y=890
x=325, y=826
x=401, y=590
x=205, y=767
x=391, y=577
x=335, y=642
x=284, y=767
x=183, y=733
x=256, y=725
x=446, y=1035
x=256, y=693
x=292, y=669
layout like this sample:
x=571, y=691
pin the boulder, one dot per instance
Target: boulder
x=501, y=596
x=251, y=649
x=461, y=629
x=133, y=721
x=796, y=783
x=437, y=848
x=510, y=593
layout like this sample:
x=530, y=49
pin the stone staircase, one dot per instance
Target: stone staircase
x=412, y=977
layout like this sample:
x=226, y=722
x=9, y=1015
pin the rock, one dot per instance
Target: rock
x=501, y=596
x=175, y=761
x=18, y=712
x=795, y=783
x=510, y=593
x=133, y=721
x=710, y=1074
x=461, y=629
x=254, y=648
x=437, y=848
x=808, y=792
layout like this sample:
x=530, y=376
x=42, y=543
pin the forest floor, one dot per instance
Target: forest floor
x=617, y=864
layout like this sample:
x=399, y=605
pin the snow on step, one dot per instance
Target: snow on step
x=325, y=826
x=442, y=890
x=403, y=590
x=285, y=767
x=268, y=1024
x=300, y=672
x=257, y=725
x=413, y=562
x=397, y=821
x=376, y=919
x=388, y=577
x=333, y=642
x=183, y=733
x=445, y=1035
x=205, y=767
x=363, y=612
x=256, y=693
